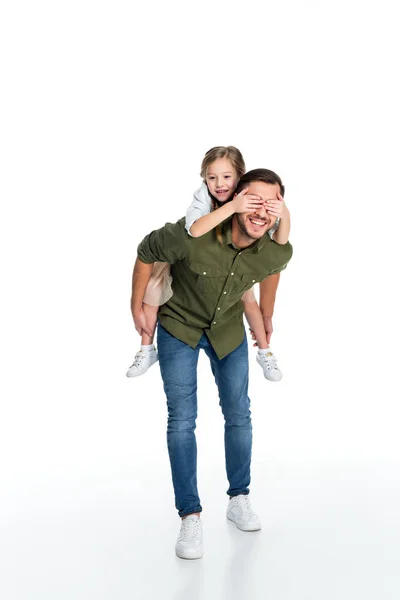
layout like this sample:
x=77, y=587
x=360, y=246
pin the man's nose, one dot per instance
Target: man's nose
x=262, y=211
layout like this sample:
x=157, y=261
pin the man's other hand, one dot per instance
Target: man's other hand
x=268, y=330
x=141, y=326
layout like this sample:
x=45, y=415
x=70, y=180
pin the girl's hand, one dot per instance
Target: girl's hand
x=245, y=202
x=277, y=208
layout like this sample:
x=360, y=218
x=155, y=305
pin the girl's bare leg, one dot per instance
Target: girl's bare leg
x=256, y=322
x=151, y=313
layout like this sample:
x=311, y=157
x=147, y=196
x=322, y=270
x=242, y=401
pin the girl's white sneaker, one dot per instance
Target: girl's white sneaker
x=268, y=363
x=143, y=361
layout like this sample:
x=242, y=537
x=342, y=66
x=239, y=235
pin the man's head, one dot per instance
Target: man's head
x=251, y=226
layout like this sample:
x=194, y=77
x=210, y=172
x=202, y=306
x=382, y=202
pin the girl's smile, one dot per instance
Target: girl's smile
x=221, y=179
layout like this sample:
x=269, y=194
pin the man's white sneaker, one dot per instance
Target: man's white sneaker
x=267, y=361
x=143, y=361
x=240, y=512
x=190, y=540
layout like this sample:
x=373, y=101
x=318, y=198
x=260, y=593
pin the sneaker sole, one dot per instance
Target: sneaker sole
x=244, y=528
x=198, y=553
x=141, y=372
x=270, y=379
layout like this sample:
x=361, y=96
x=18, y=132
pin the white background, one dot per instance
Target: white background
x=107, y=109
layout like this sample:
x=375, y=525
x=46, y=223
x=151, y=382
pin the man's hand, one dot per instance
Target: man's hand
x=268, y=330
x=245, y=202
x=141, y=326
x=277, y=208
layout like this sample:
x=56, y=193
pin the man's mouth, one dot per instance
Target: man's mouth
x=257, y=222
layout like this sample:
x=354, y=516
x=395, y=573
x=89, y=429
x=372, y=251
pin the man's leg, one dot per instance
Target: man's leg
x=232, y=378
x=178, y=364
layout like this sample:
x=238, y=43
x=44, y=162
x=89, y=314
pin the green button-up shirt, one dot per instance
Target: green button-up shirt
x=209, y=280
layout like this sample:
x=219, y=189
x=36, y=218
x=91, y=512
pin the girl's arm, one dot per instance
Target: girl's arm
x=279, y=209
x=281, y=235
x=207, y=222
x=200, y=218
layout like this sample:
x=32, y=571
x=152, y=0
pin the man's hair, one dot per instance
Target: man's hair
x=264, y=175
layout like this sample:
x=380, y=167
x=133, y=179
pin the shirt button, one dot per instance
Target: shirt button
x=254, y=280
x=224, y=292
x=218, y=308
x=215, y=322
x=204, y=272
x=240, y=253
x=232, y=273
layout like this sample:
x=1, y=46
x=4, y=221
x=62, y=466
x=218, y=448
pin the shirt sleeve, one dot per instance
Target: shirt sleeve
x=167, y=244
x=200, y=206
x=287, y=255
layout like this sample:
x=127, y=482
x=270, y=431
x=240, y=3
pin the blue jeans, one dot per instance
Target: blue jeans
x=178, y=364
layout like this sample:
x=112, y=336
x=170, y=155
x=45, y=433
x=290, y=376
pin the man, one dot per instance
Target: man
x=206, y=311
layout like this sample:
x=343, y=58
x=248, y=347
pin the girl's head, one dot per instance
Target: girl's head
x=221, y=169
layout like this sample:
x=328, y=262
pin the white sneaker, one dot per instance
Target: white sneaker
x=267, y=360
x=143, y=361
x=190, y=540
x=240, y=512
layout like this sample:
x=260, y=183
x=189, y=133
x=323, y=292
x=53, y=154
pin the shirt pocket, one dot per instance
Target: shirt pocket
x=248, y=280
x=208, y=279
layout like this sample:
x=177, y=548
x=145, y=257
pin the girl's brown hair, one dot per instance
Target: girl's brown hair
x=234, y=156
x=229, y=152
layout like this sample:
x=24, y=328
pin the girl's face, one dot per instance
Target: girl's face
x=221, y=179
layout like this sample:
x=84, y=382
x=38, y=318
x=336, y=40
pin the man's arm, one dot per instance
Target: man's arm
x=167, y=244
x=268, y=289
x=140, y=279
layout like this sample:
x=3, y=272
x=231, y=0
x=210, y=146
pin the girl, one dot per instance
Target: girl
x=221, y=169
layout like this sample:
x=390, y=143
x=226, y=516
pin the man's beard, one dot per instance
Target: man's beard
x=241, y=222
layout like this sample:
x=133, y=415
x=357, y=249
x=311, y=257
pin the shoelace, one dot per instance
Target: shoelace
x=243, y=504
x=138, y=360
x=270, y=361
x=190, y=529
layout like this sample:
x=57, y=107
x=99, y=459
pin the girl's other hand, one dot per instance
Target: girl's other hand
x=277, y=208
